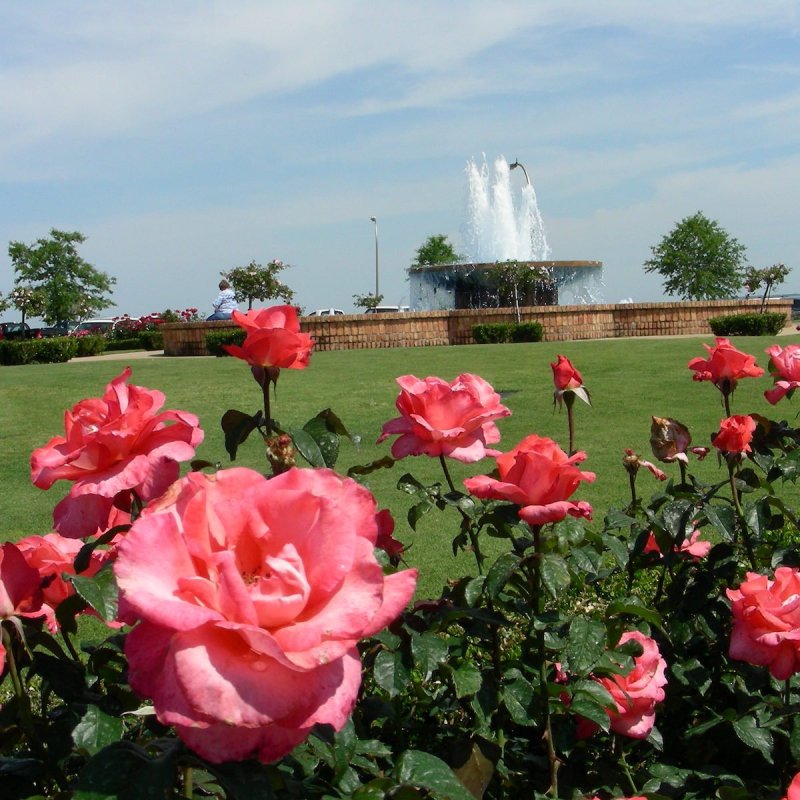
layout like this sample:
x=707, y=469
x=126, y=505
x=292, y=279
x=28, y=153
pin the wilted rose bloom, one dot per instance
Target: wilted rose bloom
x=539, y=476
x=692, y=545
x=438, y=418
x=52, y=556
x=766, y=621
x=565, y=376
x=670, y=440
x=386, y=541
x=784, y=365
x=632, y=463
x=252, y=596
x=725, y=366
x=735, y=434
x=20, y=592
x=115, y=443
x=273, y=338
x=793, y=792
x=636, y=694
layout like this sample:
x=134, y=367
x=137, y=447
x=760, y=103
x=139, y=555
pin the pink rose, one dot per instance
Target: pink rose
x=636, y=694
x=735, y=434
x=784, y=365
x=273, y=338
x=252, y=596
x=453, y=419
x=725, y=366
x=793, y=792
x=766, y=622
x=52, y=556
x=116, y=443
x=691, y=545
x=20, y=592
x=539, y=476
x=565, y=376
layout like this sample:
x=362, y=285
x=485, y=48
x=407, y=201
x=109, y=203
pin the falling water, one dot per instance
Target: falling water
x=500, y=224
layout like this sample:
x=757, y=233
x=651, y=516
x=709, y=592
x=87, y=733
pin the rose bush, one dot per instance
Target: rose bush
x=251, y=597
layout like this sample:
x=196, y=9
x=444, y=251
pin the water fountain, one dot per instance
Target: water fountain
x=502, y=225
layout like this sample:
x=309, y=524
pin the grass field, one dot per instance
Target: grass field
x=629, y=379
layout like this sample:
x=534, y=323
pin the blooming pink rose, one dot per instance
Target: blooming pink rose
x=273, y=338
x=52, y=556
x=784, y=365
x=670, y=440
x=691, y=545
x=117, y=443
x=565, y=376
x=735, y=434
x=453, y=419
x=724, y=366
x=252, y=596
x=793, y=792
x=20, y=590
x=766, y=621
x=539, y=476
x=636, y=694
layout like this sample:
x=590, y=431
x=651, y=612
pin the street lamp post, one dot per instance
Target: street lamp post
x=377, y=278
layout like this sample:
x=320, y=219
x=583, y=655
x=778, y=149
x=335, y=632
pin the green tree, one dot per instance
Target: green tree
x=258, y=282
x=767, y=277
x=436, y=250
x=29, y=302
x=70, y=287
x=367, y=301
x=516, y=281
x=699, y=260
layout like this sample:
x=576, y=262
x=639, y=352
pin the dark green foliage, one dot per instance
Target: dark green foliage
x=37, y=351
x=767, y=324
x=151, y=340
x=90, y=345
x=436, y=249
x=699, y=260
x=131, y=343
x=215, y=340
x=500, y=332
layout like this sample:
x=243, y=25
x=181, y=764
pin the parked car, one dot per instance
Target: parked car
x=60, y=328
x=19, y=330
x=387, y=310
x=326, y=312
x=92, y=326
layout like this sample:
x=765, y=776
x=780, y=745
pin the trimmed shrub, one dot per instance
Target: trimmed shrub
x=37, y=351
x=215, y=340
x=90, y=345
x=766, y=324
x=500, y=332
x=151, y=340
x=129, y=343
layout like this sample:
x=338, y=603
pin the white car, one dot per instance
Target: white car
x=326, y=312
x=93, y=325
x=387, y=310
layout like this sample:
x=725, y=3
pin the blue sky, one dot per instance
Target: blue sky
x=185, y=138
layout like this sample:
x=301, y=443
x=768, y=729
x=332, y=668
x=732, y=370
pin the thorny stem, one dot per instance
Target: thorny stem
x=619, y=746
x=188, y=787
x=267, y=417
x=473, y=537
x=682, y=467
x=737, y=504
x=569, y=400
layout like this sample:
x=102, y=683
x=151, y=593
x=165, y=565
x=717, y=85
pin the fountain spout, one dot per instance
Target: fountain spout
x=517, y=164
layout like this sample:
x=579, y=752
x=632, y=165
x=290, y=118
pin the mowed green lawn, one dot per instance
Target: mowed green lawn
x=629, y=380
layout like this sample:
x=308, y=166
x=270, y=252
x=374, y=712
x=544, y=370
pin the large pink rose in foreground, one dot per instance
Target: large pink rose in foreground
x=252, y=596
x=115, y=443
x=766, y=621
x=539, y=476
x=273, y=338
x=793, y=792
x=636, y=694
x=438, y=418
x=784, y=366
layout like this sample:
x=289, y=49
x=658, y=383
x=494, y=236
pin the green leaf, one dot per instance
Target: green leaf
x=555, y=574
x=723, y=519
x=387, y=462
x=616, y=519
x=96, y=730
x=586, y=643
x=758, y=738
x=429, y=650
x=417, y=512
x=467, y=680
x=237, y=426
x=431, y=773
x=305, y=445
x=500, y=572
x=390, y=673
x=517, y=698
x=99, y=591
x=621, y=608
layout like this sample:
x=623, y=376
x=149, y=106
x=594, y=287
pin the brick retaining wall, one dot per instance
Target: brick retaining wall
x=422, y=328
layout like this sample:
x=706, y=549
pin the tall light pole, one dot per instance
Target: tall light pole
x=377, y=278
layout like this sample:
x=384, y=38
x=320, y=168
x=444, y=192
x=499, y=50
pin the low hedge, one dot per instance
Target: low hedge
x=90, y=345
x=151, y=340
x=769, y=323
x=499, y=332
x=215, y=340
x=37, y=351
x=131, y=343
